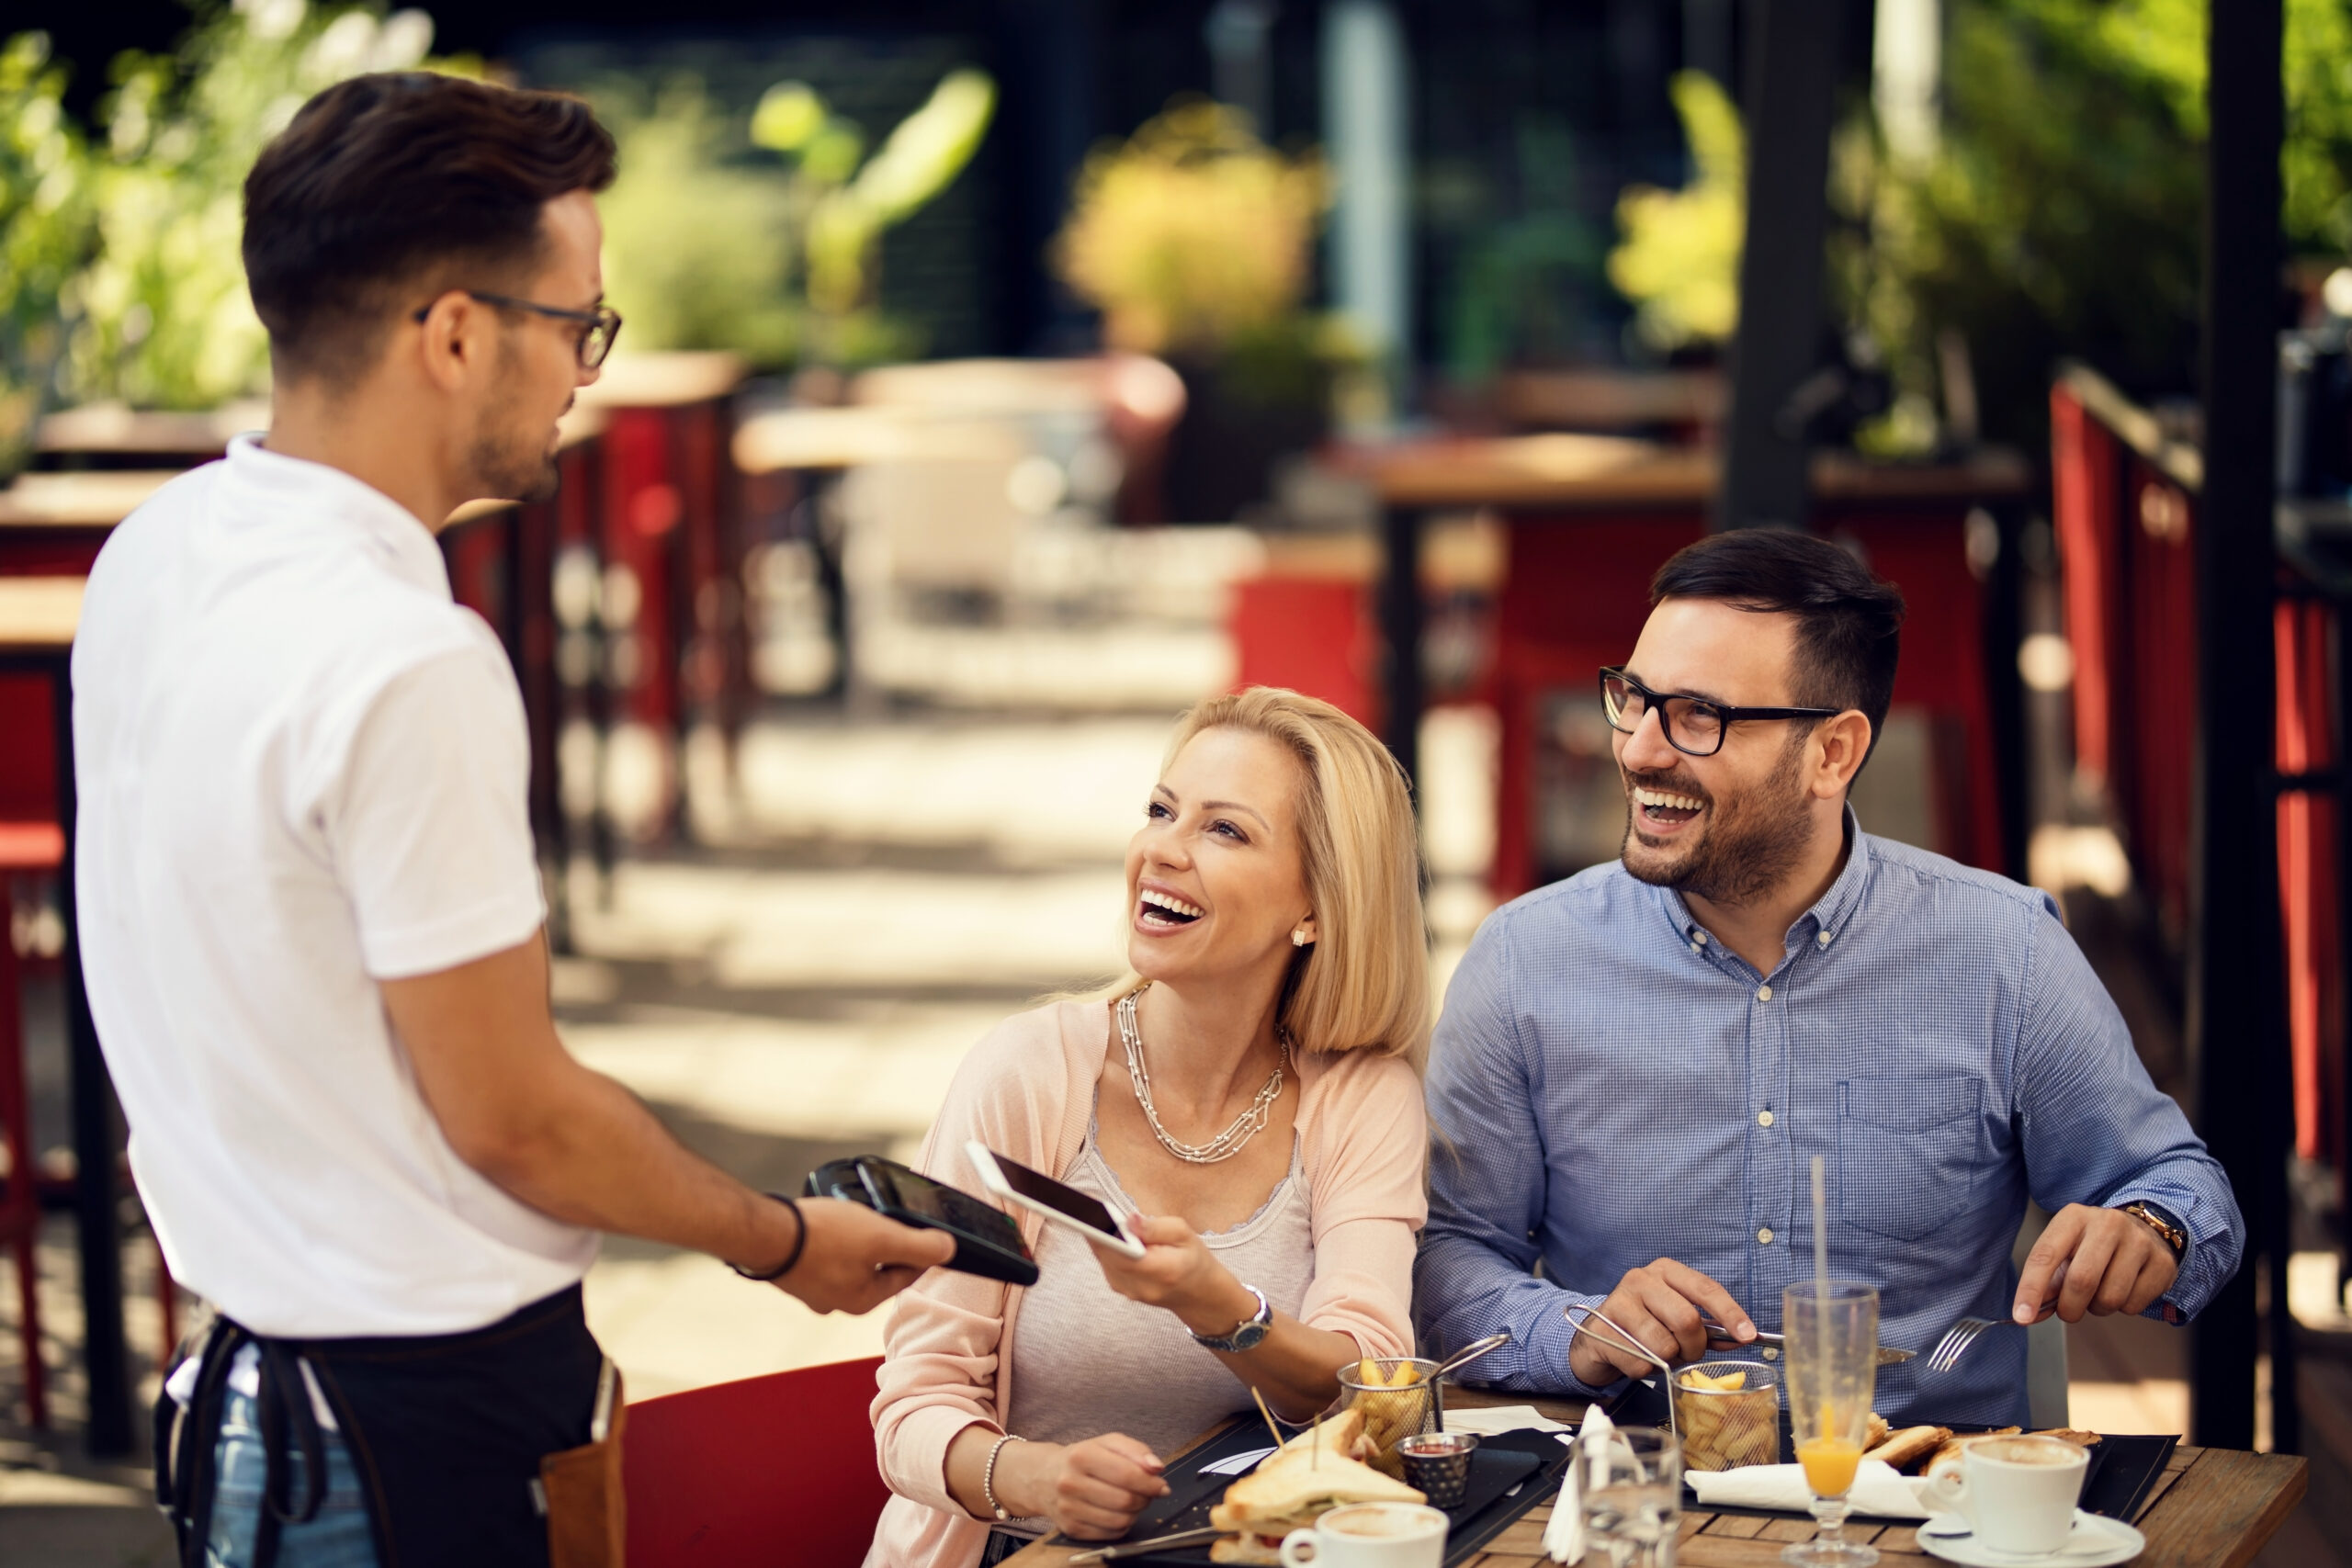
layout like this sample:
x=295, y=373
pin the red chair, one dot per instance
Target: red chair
x=24, y=847
x=775, y=1469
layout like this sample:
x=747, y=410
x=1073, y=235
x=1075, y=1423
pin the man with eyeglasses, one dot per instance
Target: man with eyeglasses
x=311, y=913
x=1636, y=1067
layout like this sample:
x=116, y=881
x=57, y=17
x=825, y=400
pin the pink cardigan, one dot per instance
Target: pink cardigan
x=1027, y=1090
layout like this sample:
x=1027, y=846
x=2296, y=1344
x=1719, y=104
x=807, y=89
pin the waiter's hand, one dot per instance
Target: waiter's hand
x=1659, y=1306
x=2099, y=1261
x=855, y=1259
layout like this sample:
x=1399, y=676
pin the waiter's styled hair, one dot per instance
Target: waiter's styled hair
x=402, y=185
x=1849, y=623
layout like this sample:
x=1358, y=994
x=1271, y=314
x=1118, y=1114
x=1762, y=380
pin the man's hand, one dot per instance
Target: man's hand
x=2099, y=1261
x=1659, y=1306
x=855, y=1259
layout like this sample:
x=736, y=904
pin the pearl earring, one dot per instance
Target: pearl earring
x=1298, y=937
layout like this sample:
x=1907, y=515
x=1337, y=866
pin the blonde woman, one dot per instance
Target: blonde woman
x=1250, y=1094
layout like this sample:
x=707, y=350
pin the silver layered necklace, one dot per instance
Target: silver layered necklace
x=1226, y=1145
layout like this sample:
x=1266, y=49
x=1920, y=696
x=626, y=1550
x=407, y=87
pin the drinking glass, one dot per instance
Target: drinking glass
x=1832, y=1342
x=1630, y=1497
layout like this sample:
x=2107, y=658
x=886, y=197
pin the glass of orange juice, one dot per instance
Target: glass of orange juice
x=1832, y=1341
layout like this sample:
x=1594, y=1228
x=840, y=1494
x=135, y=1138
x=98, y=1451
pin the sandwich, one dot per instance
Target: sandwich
x=1909, y=1445
x=1304, y=1479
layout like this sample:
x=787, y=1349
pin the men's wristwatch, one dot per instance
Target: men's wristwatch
x=1247, y=1333
x=2158, y=1222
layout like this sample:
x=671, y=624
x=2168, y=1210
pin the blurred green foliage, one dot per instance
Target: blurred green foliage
x=2061, y=214
x=1193, y=233
x=761, y=233
x=120, y=276
x=1530, y=264
x=160, y=317
x=45, y=232
x=1679, y=263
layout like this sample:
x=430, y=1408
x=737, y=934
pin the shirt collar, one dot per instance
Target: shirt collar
x=1823, y=923
x=317, y=492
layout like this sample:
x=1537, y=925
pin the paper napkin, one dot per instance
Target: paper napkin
x=1563, y=1536
x=1879, y=1490
x=1493, y=1422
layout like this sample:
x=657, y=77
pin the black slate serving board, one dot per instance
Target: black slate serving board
x=1509, y=1475
x=2124, y=1468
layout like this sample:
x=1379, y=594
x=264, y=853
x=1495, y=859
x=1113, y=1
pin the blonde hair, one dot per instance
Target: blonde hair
x=1363, y=983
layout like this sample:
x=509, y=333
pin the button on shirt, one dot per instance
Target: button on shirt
x=1610, y=1088
x=302, y=769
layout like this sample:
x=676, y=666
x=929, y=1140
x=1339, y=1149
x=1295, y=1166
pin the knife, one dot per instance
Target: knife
x=1142, y=1548
x=1718, y=1335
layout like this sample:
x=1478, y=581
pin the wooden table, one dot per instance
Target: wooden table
x=38, y=619
x=2211, y=1508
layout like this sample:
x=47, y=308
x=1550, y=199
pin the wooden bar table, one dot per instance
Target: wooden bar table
x=2211, y=1508
x=38, y=618
x=52, y=523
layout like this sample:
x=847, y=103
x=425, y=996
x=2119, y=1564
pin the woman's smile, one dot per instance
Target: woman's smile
x=1160, y=910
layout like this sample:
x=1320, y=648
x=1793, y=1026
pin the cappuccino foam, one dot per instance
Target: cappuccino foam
x=1378, y=1523
x=2031, y=1450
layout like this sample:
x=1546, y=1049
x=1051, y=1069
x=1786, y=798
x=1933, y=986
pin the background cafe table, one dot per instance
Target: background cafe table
x=2211, y=1508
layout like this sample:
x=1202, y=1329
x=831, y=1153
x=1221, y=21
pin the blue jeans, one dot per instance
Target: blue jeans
x=338, y=1538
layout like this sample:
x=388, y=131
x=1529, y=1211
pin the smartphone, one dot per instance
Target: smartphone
x=987, y=1242
x=1041, y=1194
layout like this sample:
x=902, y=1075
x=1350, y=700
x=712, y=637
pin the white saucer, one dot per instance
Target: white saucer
x=2096, y=1540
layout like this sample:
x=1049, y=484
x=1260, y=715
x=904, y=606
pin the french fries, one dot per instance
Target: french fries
x=1725, y=1424
x=1394, y=1405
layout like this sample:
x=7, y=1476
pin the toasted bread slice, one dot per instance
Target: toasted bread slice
x=1245, y=1548
x=1877, y=1432
x=1286, y=1492
x=1910, y=1445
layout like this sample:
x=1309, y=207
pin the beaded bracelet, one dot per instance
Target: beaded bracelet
x=988, y=1476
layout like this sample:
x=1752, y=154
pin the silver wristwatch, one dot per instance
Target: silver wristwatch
x=1247, y=1333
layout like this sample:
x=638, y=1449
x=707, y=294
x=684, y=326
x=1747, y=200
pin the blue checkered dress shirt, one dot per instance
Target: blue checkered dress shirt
x=1610, y=1086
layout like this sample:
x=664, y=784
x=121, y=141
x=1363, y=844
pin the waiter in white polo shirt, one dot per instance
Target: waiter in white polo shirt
x=311, y=912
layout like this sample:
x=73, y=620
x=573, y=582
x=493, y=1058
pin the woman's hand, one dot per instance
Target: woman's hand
x=1179, y=1273
x=1092, y=1491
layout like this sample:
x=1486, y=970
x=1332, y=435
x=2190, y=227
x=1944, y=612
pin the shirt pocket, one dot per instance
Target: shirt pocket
x=1906, y=1152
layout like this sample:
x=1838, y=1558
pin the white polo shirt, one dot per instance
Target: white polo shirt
x=302, y=769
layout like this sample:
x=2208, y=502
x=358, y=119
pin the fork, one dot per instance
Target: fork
x=1956, y=1341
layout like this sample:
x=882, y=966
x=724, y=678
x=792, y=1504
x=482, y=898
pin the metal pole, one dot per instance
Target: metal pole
x=1400, y=635
x=1791, y=101
x=2236, y=1025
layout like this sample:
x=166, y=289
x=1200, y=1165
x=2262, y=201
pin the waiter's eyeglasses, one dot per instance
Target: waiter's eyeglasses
x=598, y=327
x=1694, y=725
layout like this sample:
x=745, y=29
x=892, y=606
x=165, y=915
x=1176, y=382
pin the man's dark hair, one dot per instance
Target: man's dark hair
x=1850, y=623
x=387, y=182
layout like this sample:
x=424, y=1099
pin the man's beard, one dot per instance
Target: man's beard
x=1750, y=844
x=511, y=464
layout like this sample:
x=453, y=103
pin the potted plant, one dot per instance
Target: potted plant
x=1196, y=241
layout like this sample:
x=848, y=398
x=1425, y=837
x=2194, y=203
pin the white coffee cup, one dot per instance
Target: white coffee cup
x=1370, y=1535
x=2017, y=1494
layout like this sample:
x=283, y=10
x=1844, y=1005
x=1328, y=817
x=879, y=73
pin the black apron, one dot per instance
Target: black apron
x=445, y=1432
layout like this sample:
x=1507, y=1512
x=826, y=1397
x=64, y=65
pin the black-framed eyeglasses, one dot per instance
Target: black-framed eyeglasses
x=1694, y=725
x=598, y=327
